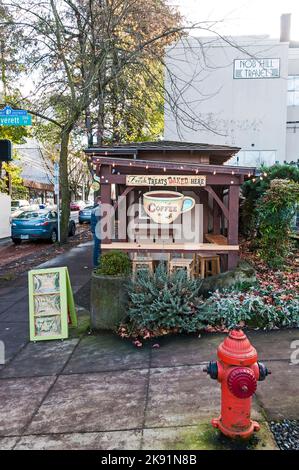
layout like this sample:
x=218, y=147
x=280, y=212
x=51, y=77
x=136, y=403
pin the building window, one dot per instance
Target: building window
x=293, y=90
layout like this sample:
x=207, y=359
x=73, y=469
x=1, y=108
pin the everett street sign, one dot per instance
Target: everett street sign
x=14, y=117
x=167, y=180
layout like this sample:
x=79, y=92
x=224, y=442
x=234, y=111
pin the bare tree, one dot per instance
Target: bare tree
x=67, y=50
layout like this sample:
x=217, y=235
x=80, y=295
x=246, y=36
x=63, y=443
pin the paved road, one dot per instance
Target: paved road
x=9, y=252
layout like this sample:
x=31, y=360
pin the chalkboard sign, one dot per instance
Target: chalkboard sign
x=51, y=304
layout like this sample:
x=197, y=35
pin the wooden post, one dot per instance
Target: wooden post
x=217, y=212
x=106, y=204
x=233, y=224
x=204, y=200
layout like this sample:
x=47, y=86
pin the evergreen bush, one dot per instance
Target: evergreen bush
x=254, y=190
x=265, y=308
x=275, y=214
x=160, y=301
x=114, y=263
x=162, y=304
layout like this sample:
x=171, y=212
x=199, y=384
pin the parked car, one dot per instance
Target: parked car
x=77, y=205
x=85, y=215
x=35, y=225
x=31, y=207
x=19, y=204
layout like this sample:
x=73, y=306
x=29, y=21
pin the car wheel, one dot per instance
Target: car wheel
x=72, y=230
x=17, y=241
x=53, y=236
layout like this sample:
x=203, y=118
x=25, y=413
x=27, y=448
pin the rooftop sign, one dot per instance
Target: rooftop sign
x=256, y=68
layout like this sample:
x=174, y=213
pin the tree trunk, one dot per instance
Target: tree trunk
x=64, y=185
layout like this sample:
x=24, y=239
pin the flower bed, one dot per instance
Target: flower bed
x=161, y=305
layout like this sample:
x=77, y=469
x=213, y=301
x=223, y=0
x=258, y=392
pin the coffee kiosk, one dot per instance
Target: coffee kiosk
x=172, y=198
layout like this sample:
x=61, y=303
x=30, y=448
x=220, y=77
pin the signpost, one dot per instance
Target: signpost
x=51, y=304
x=56, y=191
x=14, y=117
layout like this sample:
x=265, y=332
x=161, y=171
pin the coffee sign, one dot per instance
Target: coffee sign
x=164, y=207
x=165, y=180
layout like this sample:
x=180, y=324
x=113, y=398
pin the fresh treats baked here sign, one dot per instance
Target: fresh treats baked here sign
x=165, y=180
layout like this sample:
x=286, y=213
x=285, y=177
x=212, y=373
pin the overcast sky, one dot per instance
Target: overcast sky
x=239, y=17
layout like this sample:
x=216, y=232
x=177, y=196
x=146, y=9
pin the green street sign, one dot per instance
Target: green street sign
x=14, y=117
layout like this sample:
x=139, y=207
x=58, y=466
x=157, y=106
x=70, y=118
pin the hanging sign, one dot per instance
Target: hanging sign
x=165, y=180
x=95, y=186
x=164, y=207
x=51, y=304
x=14, y=117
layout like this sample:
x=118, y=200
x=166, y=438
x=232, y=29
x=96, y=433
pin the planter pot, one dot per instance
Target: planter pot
x=108, y=302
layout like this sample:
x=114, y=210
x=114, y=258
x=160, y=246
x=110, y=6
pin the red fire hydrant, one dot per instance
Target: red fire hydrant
x=238, y=371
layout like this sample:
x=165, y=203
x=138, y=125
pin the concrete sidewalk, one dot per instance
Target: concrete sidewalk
x=14, y=315
x=100, y=392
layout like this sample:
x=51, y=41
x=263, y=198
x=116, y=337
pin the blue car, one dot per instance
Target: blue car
x=35, y=225
x=85, y=215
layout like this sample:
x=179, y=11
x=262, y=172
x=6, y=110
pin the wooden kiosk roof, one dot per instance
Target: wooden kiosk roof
x=163, y=149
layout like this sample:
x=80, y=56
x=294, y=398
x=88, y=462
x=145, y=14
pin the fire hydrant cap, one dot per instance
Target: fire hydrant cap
x=236, y=349
x=242, y=382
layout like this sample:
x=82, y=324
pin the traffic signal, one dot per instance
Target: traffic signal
x=5, y=150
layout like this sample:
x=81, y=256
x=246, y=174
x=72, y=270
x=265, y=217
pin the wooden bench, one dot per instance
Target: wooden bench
x=216, y=239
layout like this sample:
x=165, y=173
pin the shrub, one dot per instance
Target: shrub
x=275, y=212
x=162, y=304
x=263, y=308
x=114, y=263
x=254, y=190
x=159, y=302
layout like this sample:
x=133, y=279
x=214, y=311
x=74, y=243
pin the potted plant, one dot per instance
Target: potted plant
x=109, y=296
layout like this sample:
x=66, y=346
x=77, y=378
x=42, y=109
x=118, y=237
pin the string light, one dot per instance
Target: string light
x=182, y=167
x=253, y=180
x=130, y=164
x=214, y=172
x=261, y=178
x=249, y=174
x=233, y=172
x=265, y=174
x=232, y=182
x=196, y=171
x=146, y=167
x=113, y=164
x=164, y=169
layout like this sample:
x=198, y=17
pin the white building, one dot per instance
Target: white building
x=241, y=91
